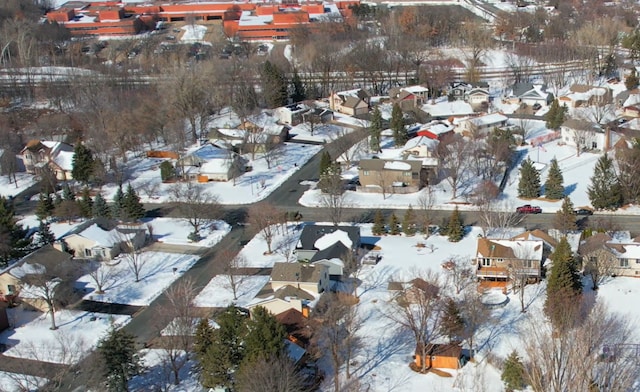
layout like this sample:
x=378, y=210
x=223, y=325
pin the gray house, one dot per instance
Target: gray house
x=318, y=242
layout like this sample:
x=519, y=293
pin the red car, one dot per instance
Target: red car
x=528, y=209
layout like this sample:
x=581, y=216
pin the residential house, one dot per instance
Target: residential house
x=102, y=239
x=530, y=94
x=440, y=356
x=477, y=97
x=291, y=114
x=619, y=255
x=481, y=125
x=627, y=98
x=458, y=90
x=12, y=284
x=296, y=325
x=497, y=260
x=350, y=102
x=266, y=124
x=585, y=135
x=631, y=111
x=318, y=115
x=314, y=279
x=408, y=97
x=211, y=163
x=57, y=156
x=548, y=241
x=392, y=176
x=437, y=130
x=422, y=148
x=324, y=242
x=277, y=306
x=584, y=95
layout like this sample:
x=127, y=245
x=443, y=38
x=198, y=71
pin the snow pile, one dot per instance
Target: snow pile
x=396, y=165
x=193, y=33
x=329, y=239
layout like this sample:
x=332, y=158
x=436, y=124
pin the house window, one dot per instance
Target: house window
x=500, y=260
x=407, y=174
x=365, y=172
x=87, y=252
x=624, y=263
x=527, y=263
x=486, y=262
x=594, y=145
x=11, y=289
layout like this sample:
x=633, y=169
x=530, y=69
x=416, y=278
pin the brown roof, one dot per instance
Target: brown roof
x=426, y=287
x=574, y=123
x=537, y=233
x=292, y=292
x=296, y=272
x=378, y=164
x=580, y=88
x=593, y=243
x=351, y=102
x=442, y=350
x=488, y=248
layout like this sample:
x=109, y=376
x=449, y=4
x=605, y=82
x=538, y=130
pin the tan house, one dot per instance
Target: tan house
x=391, y=176
x=101, y=239
x=211, y=163
x=498, y=260
x=477, y=97
x=408, y=97
x=620, y=257
x=57, y=156
x=424, y=148
x=581, y=95
x=350, y=102
x=481, y=125
x=441, y=356
x=311, y=278
x=42, y=261
x=277, y=306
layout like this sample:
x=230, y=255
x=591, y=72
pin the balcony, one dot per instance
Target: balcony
x=492, y=272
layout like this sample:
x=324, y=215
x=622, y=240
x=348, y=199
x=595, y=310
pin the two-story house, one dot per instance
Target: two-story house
x=500, y=260
x=56, y=156
x=392, y=176
x=615, y=255
x=481, y=125
x=351, y=102
x=408, y=97
x=324, y=242
x=311, y=278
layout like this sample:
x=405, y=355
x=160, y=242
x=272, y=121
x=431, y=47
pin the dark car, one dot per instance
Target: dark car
x=583, y=211
x=528, y=209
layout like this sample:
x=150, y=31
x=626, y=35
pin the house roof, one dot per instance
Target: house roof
x=38, y=261
x=417, y=89
x=296, y=272
x=104, y=232
x=493, y=118
x=351, y=102
x=419, y=141
x=576, y=123
x=509, y=249
x=478, y=91
x=384, y=164
x=358, y=93
x=209, y=152
x=337, y=250
x=442, y=350
x=290, y=291
x=311, y=233
x=64, y=160
x=593, y=243
x=537, y=234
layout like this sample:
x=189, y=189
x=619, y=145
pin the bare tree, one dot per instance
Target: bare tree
x=195, y=205
x=459, y=271
x=231, y=268
x=424, y=205
x=453, y=157
x=599, y=268
x=269, y=375
x=418, y=309
x=498, y=216
x=264, y=218
x=101, y=274
x=474, y=313
x=332, y=197
x=477, y=39
x=133, y=255
x=273, y=151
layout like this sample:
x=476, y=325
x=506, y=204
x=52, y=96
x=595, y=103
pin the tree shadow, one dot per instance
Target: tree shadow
x=569, y=189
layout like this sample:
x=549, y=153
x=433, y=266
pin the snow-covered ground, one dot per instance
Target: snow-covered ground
x=8, y=187
x=158, y=271
x=193, y=33
x=158, y=375
x=218, y=293
x=14, y=382
x=175, y=231
x=58, y=229
x=255, y=252
x=78, y=332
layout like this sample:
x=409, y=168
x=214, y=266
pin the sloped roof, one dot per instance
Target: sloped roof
x=337, y=250
x=292, y=292
x=493, y=118
x=418, y=141
x=381, y=164
x=311, y=233
x=536, y=234
x=38, y=261
x=64, y=160
x=509, y=249
x=296, y=272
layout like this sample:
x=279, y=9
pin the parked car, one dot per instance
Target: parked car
x=583, y=211
x=528, y=209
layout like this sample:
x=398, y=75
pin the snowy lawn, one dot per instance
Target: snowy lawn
x=193, y=33
x=249, y=188
x=255, y=251
x=158, y=375
x=8, y=188
x=158, y=271
x=13, y=382
x=59, y=229
x=175, y=231
x=78, y=332
x=218, y=293
x=321, y=132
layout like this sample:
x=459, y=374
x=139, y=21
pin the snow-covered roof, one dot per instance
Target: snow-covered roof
x=632, y=99
x=489, y=119
x=331, y=238
x=524, y=250
x=444, y=109
x=416, y=89
x=209, y=151
x=438, y=128
x=418, y=141
x=64, y=159
x=105, y=238
x=27, y=268
x=215, y=166
x=397, y=165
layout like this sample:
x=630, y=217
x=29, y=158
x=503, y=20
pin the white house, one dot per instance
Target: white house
x=481, y=125
x=584, y=135
x=311, y=278
x=101, y=239
x=211, y=163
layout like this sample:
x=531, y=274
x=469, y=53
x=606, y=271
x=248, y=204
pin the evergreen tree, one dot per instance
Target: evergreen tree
x=117, y=208
x=563, y=288
x=82, y=163
x=298, y=93
x=133, y=208
x=167, y=171
x=265, y=336
x=85, y=203
x=513, y=374
x=67, y=193
x=100, y=208
x=274, y=85
x=203, y=337
x=455, y=228
x=555, y=116
x=565, y=218
x=631, y=81
x=325, y=163
x=553, y=187
x=605, y=192
x=45, y=206
x=45, y=236
x=57, y=200
x=452, y=323
x=13, y=239
x=375, y=130
x=529, y=184
x=409, y=222
x=397, y=126
x=120, y=359
x=378, y=224
x=394, y=226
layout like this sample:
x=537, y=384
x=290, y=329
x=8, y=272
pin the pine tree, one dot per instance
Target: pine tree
x=375, y=130
x=513, y=374
x=298, y=93
x=529, y=184
x=120, y=359
x=266, y=335
x=555, y=116
x=409, y=222
x=455, y=228
x=397, y=126
x=325, y=163
x=85, y=203
x=100, y=208
x=13, y=241
x=378, y=224
x=394, y=225
x=82, y=163
x=57, y=200
x=452, y=323
x=45, y=236
x=605, y=192
x=553, y=187
x=45, y=206
x=631, y=81
x=167, y=171
x=117, y=208
x=203, y=337
x=133, y=208
x=67, y=193
x=563, y=288
x=274, y=85
x=565, y=218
